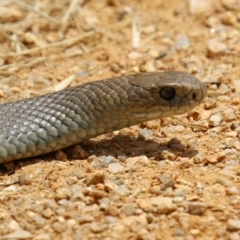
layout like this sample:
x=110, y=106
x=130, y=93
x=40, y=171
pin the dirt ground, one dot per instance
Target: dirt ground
x=176, y=178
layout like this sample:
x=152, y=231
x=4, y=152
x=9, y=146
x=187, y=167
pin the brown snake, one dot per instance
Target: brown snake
x=57, y=120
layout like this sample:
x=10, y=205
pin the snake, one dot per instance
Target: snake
x=47, y=123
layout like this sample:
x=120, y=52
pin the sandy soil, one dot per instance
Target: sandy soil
x=175, y=178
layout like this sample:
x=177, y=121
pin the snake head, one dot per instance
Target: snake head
x=154, y=95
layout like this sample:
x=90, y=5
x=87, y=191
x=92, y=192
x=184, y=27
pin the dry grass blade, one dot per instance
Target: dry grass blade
x=35, y=10
x=71, y=8
x=67, y=42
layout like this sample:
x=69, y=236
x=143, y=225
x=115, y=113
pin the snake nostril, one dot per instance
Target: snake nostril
x=194, y=96
x=167, y=93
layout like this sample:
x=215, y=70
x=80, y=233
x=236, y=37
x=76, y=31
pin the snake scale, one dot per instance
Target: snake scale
x=46, y=123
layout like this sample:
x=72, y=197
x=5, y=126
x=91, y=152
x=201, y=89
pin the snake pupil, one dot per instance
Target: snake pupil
x=167, y=93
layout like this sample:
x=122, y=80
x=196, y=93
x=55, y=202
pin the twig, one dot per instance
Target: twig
x=67, y=42
x=71, y=8
x=35, y=10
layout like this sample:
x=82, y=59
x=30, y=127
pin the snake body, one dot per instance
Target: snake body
x=46, y=123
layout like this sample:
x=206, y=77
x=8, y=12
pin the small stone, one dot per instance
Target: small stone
x=121, y=190
x=221, y=156
x=115, y=67
x=237, y=145
x=97, y=227
x=235, y=100
x=145, y=133
x=167, y=154
x=198, y=7
x=215, y=47
x=24, y=179
x=18, y=234
x=103, y=56
x=96, y=178
x=223, y=181
x=59, y=227
x=142, y=160
x=231, y=4
x=234, y=236
x=85, y=218
x=229, y=115
x=60, y=155
x=212, y=21
x=233, y=224
x=228, y=18
x=103, y=161
x=71, y=180
x=129, y=209
x=196, y=208
x=134, y=55
x=153, y=53
x=167, y=182
x=149, y=66
x=199, y=158
x=209, y=103
x=130, y=162
x=63, y=193
x=231, y=190
x=224, y=90
x=183, y=42
x=150, y=147
x=164, y=205
x=115, y=168
x=47, y=213
x=79, y=153
x=216, y=119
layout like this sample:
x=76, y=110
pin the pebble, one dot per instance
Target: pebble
x=121, y=190
x=231, y=4
x=197, y=7
x=215, y=119
x=166, y=154
x=166, y=181
x=149, y=66
x=47, y=213
x=199, y=158
x=145, y=133
x=215, y=47
x=103, y=161
x=209, y=103
x=229, y=115
x=97, y=227
x=24, y=179
x=164, y=205
x=232, y=190
x=79, y=153
x=115, y=168
x=59, y=227
x=228, y=18
x=196, y=208
x=158, y=205
x=129, y=209
x=96, y=178
x=183, y=42
x=233, y=224
x=115, y=68
x=71, y=180
x=63, y=193
x=18, y=234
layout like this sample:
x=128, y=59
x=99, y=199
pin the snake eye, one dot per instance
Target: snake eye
x=167, y=93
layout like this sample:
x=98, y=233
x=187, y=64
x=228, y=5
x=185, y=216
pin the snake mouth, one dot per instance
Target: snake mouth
x=151, y=115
